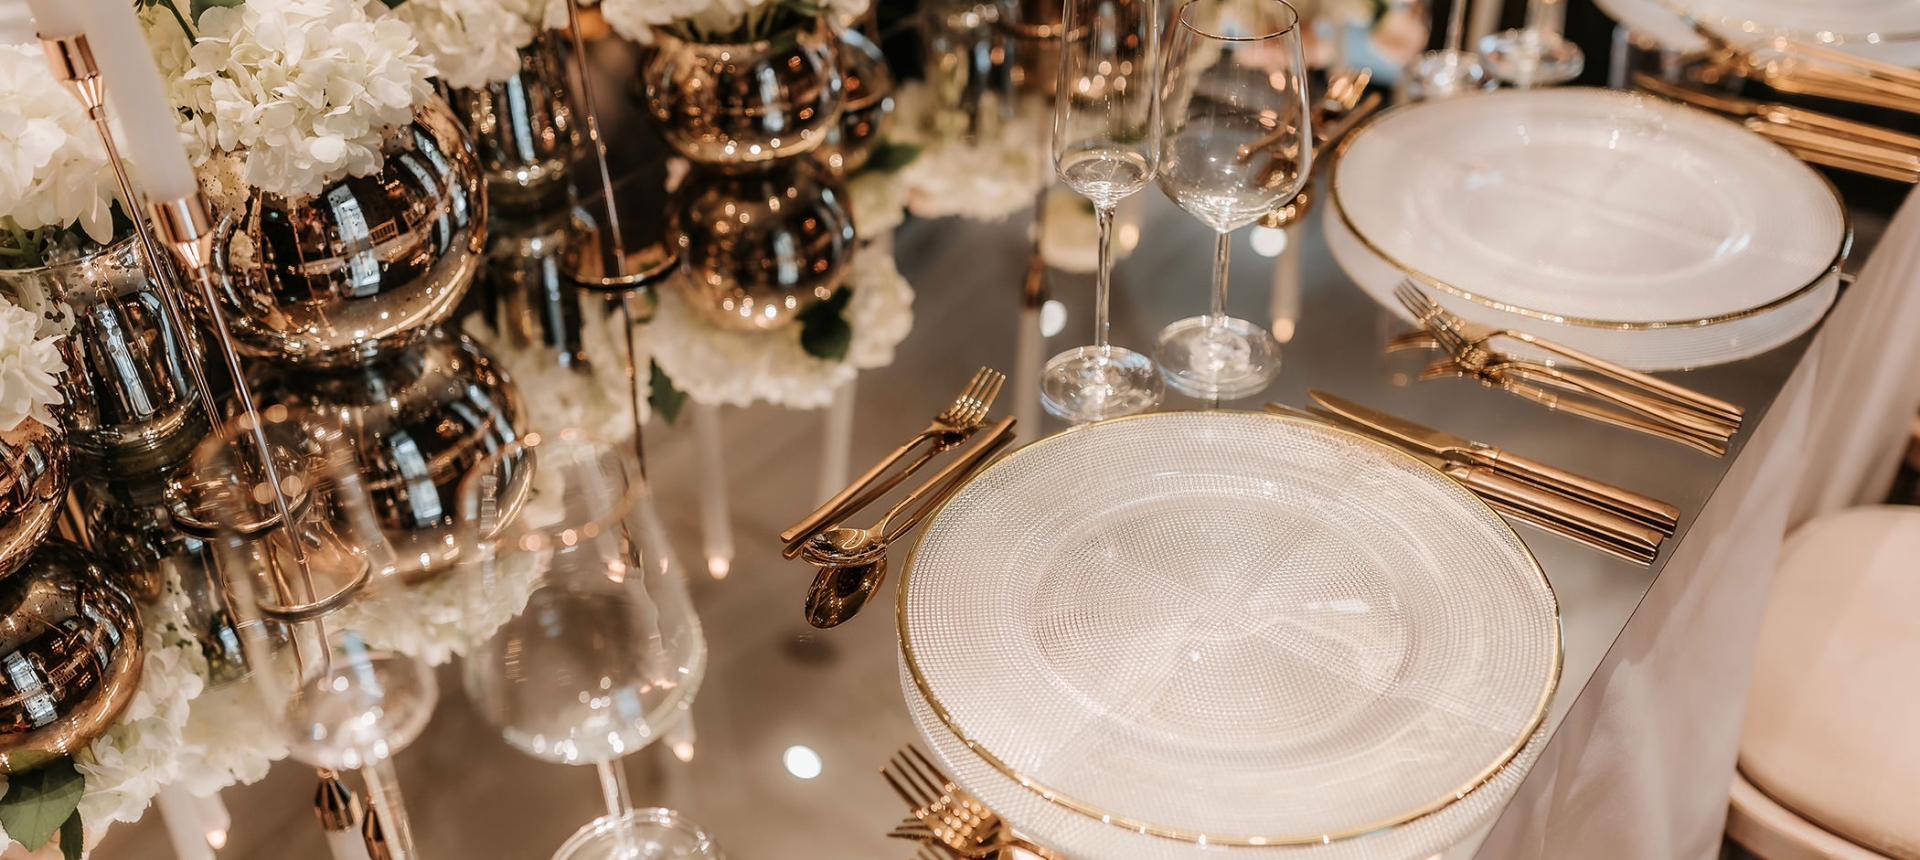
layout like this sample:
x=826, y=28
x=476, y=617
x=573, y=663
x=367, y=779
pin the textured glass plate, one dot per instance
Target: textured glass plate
x=1593, y=205
x=1650, y=349
x=1230, y=627
x=1082, y=838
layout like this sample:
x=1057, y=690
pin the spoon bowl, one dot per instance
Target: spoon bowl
x=844, y=547
x=838, y=593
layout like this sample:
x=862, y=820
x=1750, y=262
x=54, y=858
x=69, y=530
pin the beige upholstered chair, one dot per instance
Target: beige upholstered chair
x=1830, y=755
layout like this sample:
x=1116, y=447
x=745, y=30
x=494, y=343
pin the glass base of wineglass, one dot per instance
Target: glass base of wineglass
x=1532, y=57
x=1223, y=358
x=1437, y=75
x=1093, y=383
x=641, y=834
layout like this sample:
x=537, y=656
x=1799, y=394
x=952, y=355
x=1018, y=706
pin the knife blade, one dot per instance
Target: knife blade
x=1626, y=503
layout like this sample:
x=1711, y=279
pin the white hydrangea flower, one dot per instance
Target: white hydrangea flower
x=125, y=767
x=724, y=366
x=53, y=170
x=473, y=43
x=877, y=201
x=307, y=88
x=706, y=20
x=984, y=180
x=28, y=368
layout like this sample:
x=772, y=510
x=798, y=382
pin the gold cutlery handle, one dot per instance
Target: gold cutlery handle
x=1859, y=150
x=1829, y=158
x=1582, y=522
x=1604, y=415
x=1632, y=377
x=1845, y=127
x=1643, y=509
x=1654, y=408
x=942, y=486
x=826, y=511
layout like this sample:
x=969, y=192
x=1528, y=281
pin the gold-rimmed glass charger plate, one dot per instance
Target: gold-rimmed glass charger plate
x=1230, y=628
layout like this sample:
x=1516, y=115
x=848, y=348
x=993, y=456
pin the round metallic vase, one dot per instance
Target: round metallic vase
x=758, y=250
x=417, y=421
x=131, y=405
x=71, y=645
x=523, y=127
x=367, y=266
x=742, y=106
x=867, y=106
x=33, y=485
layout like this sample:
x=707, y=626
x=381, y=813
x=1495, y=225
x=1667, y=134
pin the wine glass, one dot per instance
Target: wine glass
x=1447, y=72
x=1106, y=145
x=590, y=648
x=316, y=597
x=1237, y=144
x=1534, y=55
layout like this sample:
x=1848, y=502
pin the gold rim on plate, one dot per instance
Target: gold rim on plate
x=1831, y=271
x=1145, y=827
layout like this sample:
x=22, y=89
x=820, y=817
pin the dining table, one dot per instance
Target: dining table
x=792, y=723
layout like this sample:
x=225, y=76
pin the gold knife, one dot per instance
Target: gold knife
x=1626, y=503
x=1588, y=524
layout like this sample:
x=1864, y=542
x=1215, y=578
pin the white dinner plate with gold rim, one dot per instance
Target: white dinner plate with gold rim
x=1079, y=837
x=1883, y=30
x=1671, y=348
x=1226, y=628
x=1589, y=207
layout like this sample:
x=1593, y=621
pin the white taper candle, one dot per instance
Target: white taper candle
x=716, y=525
x=55, y=19
x=152, y=135
x=181, y=813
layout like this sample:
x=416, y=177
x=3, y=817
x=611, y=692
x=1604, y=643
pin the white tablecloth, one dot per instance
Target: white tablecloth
x=1641, y=766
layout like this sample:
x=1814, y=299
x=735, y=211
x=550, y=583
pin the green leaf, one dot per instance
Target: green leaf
x=890, y=157
x=824, y=332
x=73, y=838
x=39, y=801
x=199, y=6
x=663, y=396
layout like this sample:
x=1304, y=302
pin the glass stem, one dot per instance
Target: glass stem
x=383, y=791
x=613, y=785
x=1103, y=282
x=1457, y=25
x=1545, y=16
x=1222, y=249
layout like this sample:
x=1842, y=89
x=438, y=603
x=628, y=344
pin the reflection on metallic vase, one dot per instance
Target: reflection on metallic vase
x=367, y=266
x=867, y=106
x=70, y=642
x=131, y=404
x=140, y=548
x=417, y=421
x=742, y=106
x=531, y=302
x=758, y=250
x=965, y=55
x=523, y=127
x=33, y=484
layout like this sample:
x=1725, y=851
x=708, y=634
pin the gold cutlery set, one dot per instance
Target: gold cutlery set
x=1573, y=382
x=1618, y=521
x=945, y=818
x=1798, y=68
x=851, y=563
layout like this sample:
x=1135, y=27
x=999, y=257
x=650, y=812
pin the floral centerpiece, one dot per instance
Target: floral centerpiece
x=473, y=43
x=56, y=188
x=721, y=21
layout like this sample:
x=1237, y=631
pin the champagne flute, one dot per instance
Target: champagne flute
x=316, y=597
x=1106, y=146
x=1535, y=55
x=1237, y=144
x=590, y=648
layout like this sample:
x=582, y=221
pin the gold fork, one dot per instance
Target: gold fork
x=946, y=816
x=1475, y=337
x=951, y=427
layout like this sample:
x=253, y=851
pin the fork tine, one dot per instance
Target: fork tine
x=1414, y=301
x=941, y=778
x=918, y=806
x=993, y=389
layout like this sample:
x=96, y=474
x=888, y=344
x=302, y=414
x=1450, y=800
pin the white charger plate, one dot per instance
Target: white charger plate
x=1590, y=207
x=1883, y=30
x=1229, y=629
x=1672, y=348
